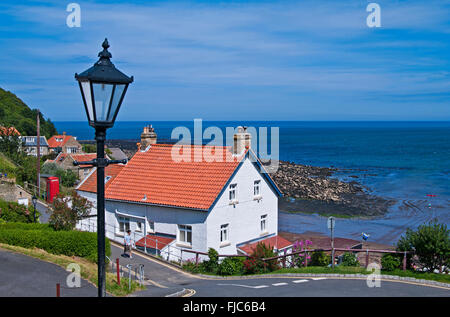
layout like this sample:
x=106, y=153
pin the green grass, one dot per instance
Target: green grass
x=6, y=166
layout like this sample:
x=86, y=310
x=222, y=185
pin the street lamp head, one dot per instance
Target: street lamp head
x=34, y=200
x=103, y=88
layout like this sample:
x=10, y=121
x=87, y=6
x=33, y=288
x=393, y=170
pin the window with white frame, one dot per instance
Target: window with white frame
x=224, y=233
x=151, y=225
x=139, y=226
x=185, y=234
x=233, y=192
x=256, y=188
x=264, y=223
x=124, y=224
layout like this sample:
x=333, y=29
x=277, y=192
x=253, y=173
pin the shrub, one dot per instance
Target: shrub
x=212, y=264
x=231, y=266
x=431, y=243
x=299, y=259
x=255, y=264
x=320, y=258
x=349, y=259
x=390, y=262
x=190, y=266
x=14, y=212
x=65, y=217
x=70, y=243
x=25, y=226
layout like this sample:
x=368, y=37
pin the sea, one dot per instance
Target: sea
x=408, y=162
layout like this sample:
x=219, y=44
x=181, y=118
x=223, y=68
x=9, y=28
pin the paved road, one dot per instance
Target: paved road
x=43, y=210
x=168, y=280
x=21, y=275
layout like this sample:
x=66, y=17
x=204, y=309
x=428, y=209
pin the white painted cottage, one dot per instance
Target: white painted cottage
x=223, y=200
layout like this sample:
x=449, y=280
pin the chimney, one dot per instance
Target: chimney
x=148, y=136
x=242, y=140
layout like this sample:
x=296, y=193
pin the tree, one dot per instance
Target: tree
x=68, y=210
x=431, y=244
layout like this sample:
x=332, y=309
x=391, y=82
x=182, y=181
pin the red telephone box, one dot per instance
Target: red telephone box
x=52, y=188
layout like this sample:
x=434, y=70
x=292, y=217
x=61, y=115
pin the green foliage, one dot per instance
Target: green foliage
x=190, y=266
x=70, y=243
x=68, y=210
x=320, y=258
x=89, y=148
x=255, y=264
x=66, y=177
x=212, y=264
x=231, y=266
x=6, y=166
x=25, y=226
x=390, y=262
x=349, y=259
x=13, y=212
x=431, y=243
x=14, y=112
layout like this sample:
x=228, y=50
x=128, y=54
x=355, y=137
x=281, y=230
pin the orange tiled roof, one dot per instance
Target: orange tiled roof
x=277, y=242
x=9, y=131
x=90, y=184
x=153, y=177
x=52, y=143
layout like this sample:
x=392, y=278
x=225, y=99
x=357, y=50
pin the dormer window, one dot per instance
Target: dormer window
x=107, y=178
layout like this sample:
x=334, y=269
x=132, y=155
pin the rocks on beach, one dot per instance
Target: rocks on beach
x=314, y=191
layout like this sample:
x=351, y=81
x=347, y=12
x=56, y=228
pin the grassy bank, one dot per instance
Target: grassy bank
x=88, y=269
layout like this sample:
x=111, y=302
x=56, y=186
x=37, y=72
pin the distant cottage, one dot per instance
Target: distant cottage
x=228, y=204
x=64, y=144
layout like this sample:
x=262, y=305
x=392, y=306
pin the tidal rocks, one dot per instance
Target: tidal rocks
x=316, y=192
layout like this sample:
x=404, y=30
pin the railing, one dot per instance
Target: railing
x=167, y=251
x=198, y=253
x=304, y=254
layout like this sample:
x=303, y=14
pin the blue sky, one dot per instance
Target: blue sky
x=235, y=60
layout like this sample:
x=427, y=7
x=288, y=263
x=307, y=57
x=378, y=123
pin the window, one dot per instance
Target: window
x=185, y=234
x=124, y=224
x=107, y=178
x=72, y=150
x=264, y=223
x=224, y=233
x=256, y=190
x=139, y=226
x=233, y=192
x=151, y=225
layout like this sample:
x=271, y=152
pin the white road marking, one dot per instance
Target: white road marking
x=319, y=278
x=248, y=286
x=299, y=281
x=279, y=284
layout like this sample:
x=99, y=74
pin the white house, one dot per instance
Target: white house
x=227, y=204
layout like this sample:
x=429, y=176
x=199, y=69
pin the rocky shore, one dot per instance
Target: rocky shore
x=312, y=189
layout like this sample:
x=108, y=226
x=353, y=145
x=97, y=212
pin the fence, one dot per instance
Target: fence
x=304, y=253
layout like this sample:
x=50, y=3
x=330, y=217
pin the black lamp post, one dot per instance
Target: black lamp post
x=34, y=200
x=103, y=88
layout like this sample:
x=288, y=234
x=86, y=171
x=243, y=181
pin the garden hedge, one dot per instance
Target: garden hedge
x=24, y=226
x=70, y=243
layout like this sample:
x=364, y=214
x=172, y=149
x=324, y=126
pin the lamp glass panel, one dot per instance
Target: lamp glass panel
x=85, y=85
x=115, y=101
x=102, y=97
